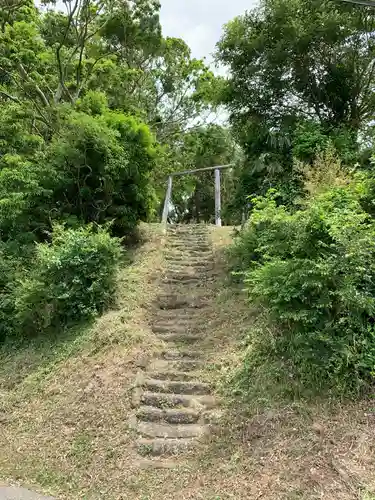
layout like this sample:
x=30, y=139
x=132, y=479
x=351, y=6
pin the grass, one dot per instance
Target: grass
x=65, y=401
x=65, y=409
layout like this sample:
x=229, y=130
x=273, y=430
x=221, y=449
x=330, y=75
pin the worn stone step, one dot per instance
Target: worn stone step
x=185, y=282
x=167, y=400
x=176, y=387
x=182, y=316
x=189, y=236
x=168, y=415
x=175, y=328
x=185, y=365
x=183, y=313
x=179, y=431
x=171, y=375
x=186, y=269
x=181, y=338
x=190, y=255
x=188, y=242
x=188, y=245
x=194, y=262
x=188, y=228
x=163, y=447
x=190, y=250
x=180, y=354
x=185, y=277
x=174, y=302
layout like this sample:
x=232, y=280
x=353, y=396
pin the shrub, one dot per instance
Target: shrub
x=73, y=278
x=8, y=270
x=314, y=271
x=101, y=167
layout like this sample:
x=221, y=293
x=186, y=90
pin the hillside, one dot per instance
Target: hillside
x=67, y=413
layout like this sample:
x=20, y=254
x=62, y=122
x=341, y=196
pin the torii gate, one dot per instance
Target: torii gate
x=217, y=169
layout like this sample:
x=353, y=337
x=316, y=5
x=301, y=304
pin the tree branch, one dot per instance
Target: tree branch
x=10, y=97
x=40, y=93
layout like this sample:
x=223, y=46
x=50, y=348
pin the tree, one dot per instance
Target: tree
x=297, y=62
x=193, y=195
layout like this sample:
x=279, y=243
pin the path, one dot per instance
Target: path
x=172, y=404
x=14, y=493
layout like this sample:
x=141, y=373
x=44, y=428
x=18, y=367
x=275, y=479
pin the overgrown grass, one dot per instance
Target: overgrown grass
x=67, y=431
x=65, y=400
x=276, y=439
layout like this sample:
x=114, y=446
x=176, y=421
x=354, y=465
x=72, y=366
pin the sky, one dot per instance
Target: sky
x=200, y=22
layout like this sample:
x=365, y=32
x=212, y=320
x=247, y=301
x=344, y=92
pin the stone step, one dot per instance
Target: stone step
x=166, y=447
x=186, y=365
x=184, y=282
x=169, y=415
x=182, y=261
x=188, y=228
x=188, y=270
x=188, y=234
x=175, y=302
x=175, y=328
x=180, y=354
x=183, y=313
x=166, y=400
x=187, y=256
x=169, y=431
x=176, y=387
x=184, y=277
x=185, y=270
x=171, y=375
x=188, y=242
x=190, y=250
x=180, y=338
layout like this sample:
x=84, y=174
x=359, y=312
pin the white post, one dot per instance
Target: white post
x=217, y=197
x=167, y=202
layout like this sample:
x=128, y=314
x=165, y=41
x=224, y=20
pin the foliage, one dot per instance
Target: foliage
x=95, y=101
x=314, y=271
x=101, y=167
x=301, y=73
x=194, y=196
x=72, y=278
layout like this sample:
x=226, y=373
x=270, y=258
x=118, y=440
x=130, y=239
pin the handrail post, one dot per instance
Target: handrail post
x=217, y=197
x=168, y=197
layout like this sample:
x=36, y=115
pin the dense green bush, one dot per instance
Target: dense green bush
x=101, y=166
x=314, y=271
x=72, y=278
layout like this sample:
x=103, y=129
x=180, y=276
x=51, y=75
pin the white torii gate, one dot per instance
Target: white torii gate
x=217, y=169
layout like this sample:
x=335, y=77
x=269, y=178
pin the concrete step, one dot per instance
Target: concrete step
x=167, y=400
x=163, y=447
x=168, y=415
x=176, y=387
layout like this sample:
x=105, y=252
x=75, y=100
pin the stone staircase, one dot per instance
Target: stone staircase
x=172, y=403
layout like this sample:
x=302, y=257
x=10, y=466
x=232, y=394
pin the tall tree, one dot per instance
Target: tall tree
x=297, y=66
